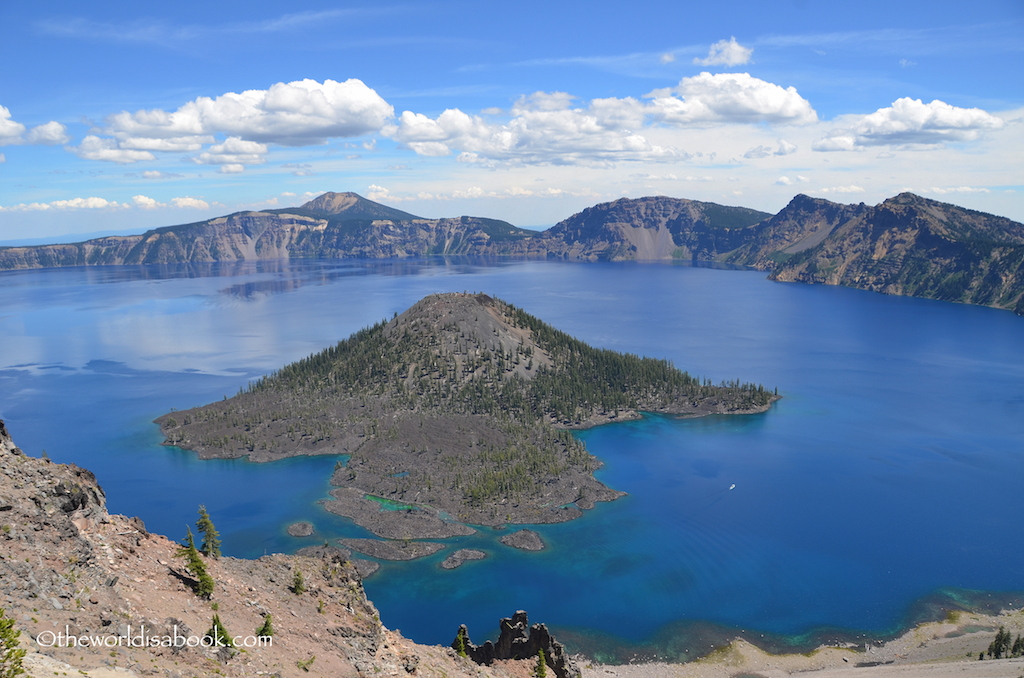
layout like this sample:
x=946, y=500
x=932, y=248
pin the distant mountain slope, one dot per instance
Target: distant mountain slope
x=802, y=224
x=652, y=228
x=334, y=225
x=907, y=245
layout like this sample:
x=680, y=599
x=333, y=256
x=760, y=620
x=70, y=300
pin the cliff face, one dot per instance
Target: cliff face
x=650, y=228
x=332, y=226
x=68, y=565
x=385, y=238
x=801, y=225
x=909, y=245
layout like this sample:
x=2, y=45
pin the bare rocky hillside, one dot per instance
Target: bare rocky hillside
x=67, y=565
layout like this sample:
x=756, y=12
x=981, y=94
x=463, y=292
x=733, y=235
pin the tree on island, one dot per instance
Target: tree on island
x=203, y=586
x=211, y=538
x=10, y=653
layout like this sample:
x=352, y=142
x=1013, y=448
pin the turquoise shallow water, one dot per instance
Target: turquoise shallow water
x=888, y=472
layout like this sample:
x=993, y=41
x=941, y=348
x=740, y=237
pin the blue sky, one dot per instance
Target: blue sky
x=119, y=119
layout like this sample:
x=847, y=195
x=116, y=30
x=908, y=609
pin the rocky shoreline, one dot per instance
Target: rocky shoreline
x=415, y=522
x=941, y=649
x=393, y=550
x=462, y=556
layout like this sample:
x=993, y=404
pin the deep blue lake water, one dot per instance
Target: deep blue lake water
x=890, y=470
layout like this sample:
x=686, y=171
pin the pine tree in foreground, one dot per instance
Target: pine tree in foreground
x=10, y=654
x=542, y=665
x=211, y=538
x=298, y=582
x=267, y=630
x=195, y=566
x=460, y=643
x=218, y=635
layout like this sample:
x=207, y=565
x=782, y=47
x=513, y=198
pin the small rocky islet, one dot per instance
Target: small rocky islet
x=526, y=540
x=300, y=529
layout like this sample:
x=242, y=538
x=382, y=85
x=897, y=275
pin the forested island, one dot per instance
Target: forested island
x=456, y=411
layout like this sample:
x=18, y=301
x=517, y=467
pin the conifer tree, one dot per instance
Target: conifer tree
x=460, y=643
x=196, y=567
x=10, y=654
x=211, y=538
x=267, y=629
x=218, y=635
x=1001, y=644
x=542, y=665
x=298, y=582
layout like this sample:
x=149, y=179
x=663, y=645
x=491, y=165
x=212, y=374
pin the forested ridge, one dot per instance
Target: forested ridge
x=565, y=381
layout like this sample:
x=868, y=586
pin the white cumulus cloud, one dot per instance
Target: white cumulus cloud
x=84, y=203
x=172, y=145
x=955, y=189
x=911, y=123
x=13, y=133
x=145, y=202
x=843, y=189
x=726, y=53
x=92, y=203
x=190, y=203
x=786, y=181
x=299, y=113
x=95, y=148
x=50, y=134
x=10, y=131
x=234, y=151
x=784, y=148
x=544, y=128
x=730, y=97
x=375, y=192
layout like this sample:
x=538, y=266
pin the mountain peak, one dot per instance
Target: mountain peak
x=354, y=206
x=907, y=198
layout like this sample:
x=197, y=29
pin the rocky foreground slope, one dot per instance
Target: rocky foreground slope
x=67, y=565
